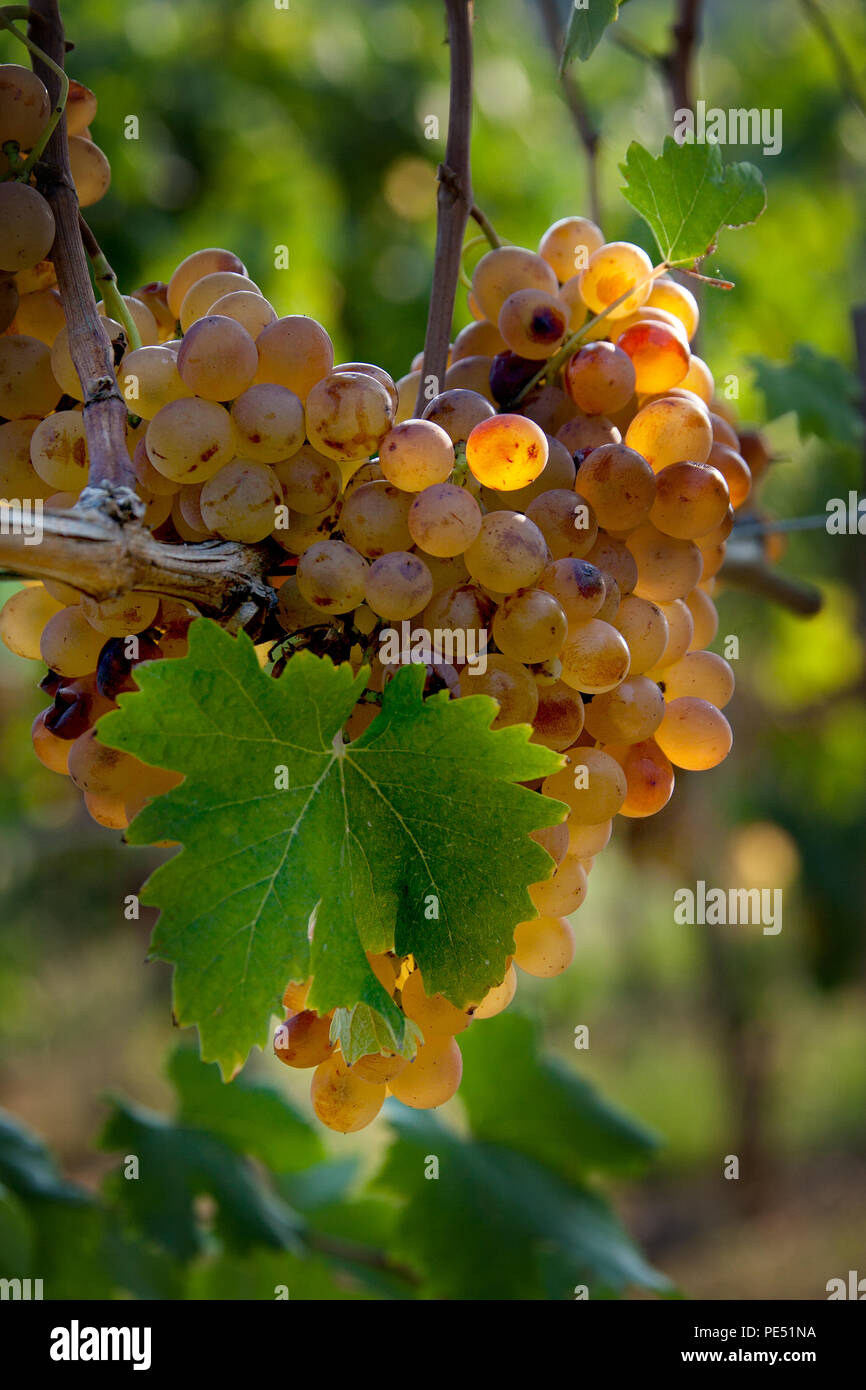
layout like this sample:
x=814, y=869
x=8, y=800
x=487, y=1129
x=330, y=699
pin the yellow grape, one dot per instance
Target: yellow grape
x=444, y=520
x=595, y=657
x=204, y=293
x=342, y=1099
x=190, y=440
x=477, y=340
x=544, y=947
x=568, y=244
x=25, y=105
x=27, y=383
x=705, y=619
x=584, y=841
x=509, y=683
x=505, y=270
x=558, y=720
x=699, y=379
x=252, y=311
x=600, y=378
x=457, y=412
x=62, y=366
x=645, y=628
x=296, y=352
x=649, y=777
x=694, y=734
x=120, y=617
x=691, y=500
x=627, y=714
x=58, y=450
x=375, y=519
x=91, y=171
x=497, y=999
x=508, y=553
x=377, y=373
x=703, y=674
x=463, y=611
x=435, y=1015
x=506, y=452
x=332, y=576
x=533, y=323
x=69, y=645
x=593, y=784
x=141, y=316
x=240, y=501
x=379, y=1068
x=310, y=482
x=304, y=1040
x=149, y=379
x=348, y=415
x=619, y=485
x=667, y=568
x=52, y=752
x=23, y=617
x=553, y=840
x=668, y=294
x=530, y=626
x=735, y=471
x=217, y=358
x=398, y=585
x=432, y=1076
x=577, y=586
x=564, y=892
x=194, y=268
x=26, y=226
x=269, y=422
x=587, y=432
x=613, y=270
x=415, y=454
x=671, y=430
x=303, y=532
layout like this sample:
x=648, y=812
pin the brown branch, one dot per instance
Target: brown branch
x=454, y=200
x=348, y=1252
x=677, y=64
x=847, y=73
x=745, y=568
x=111, y=477
x=577, y=106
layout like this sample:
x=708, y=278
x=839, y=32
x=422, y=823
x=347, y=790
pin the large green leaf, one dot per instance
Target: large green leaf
x=414, y=836
x=27, y=1167
x=687, y=195
x=586, y=27
x=16, y=1237
x=265, y=1274
x=544, y=1109
x=494, y=1224
x=818, y=389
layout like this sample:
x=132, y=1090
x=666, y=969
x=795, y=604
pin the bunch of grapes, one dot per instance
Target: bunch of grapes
x=560, y=516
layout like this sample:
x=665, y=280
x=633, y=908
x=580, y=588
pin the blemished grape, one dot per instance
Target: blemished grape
x=293, y=613
x=240, y=500
x=703, y=674
x=549, y=407
x=533, y=323
x=58, y=450
x=186, y=516
x=269, y=422
x=564, y=892
x=584, y=841
x=342, y=1099
x=217, y=358
x=578, y=587
x=600, y=378
x=435, y=1015
x=705, y=620
x=398, y=585
x=377, y=373
x=497, y=999
x=613, y=270
x=509, y=374
x=190, y=440
x=375, y=519
x=332, y=576
x=595, y=658
x=619, y=485
x=723, y=433
x=91, y=171
x=432, y=1076
x=506, y=452
x=612, y=600
x=566, y=521
x=379, y=1068
x=568, y=244
x=558, y=720
x=348, y=415
x=69, y=645
x=25, y=105
x=149, y=379
x=52, y=752
x=415, y=454
x=463, y=610
x=23, y=617
x=18, y=477
x=296, y=352
x=119, y=617
x=509, y=684
x=304, y=1040
x=27, y=383
x=477, y=340
x=444, y=520
x=649, y=776
x=735, y=471
x=658, y=354
x=668, y=294
x=505, y=270
x=310, y=482
x=671, y=430
x=628, y=714
x=615, y=560
x=204, y=293
x=587, y=432
x=544, y=947
x=593, y=784
x=667, y=568
x=457, y=412
x=691, y=499
x=645, y=628
x=305, y=531
x=26, y=226
x=252, y=311
x=508, y=553
x=694, y=734
x=469, y=374
x=530, y=626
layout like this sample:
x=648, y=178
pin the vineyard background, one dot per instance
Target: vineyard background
x=260, y=127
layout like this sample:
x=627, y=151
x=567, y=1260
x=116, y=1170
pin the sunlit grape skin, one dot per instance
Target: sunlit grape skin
x=506, y=452
x=694, y=734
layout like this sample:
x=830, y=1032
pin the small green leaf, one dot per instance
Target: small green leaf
x=586, y=26
x=361, y=1030
x=818, y=389
x=27, y=1167
x=687, y=195
x=264, y=1274
x=413, y=837
x=552, y=1114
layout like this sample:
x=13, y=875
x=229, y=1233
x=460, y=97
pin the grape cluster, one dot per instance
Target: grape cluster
x=561, y=518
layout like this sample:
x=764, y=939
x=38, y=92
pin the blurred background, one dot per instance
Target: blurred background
x=305, y=127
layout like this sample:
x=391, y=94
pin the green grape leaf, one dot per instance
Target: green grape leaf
x=177, y=1165
x=27, y=1167
x=362, y=1030
x=499, y=1225
x=553, y=1115
x=251, y=1119
x=818, y=389
x=16, y=1237
x=412, y=837
x=265, y=1275
x=687, y=195
x=586, y=27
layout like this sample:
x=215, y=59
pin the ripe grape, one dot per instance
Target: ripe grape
x=658, y=354
x=24, y=105
x=544, y=947
x=584, y=841
x=23, y=618
x=204, y=293
x=508, y=553
x=190, y=440
x=348, y=415
x=595, y=658
x=587, y=432
x=375, y=519
x=549, y=407
x=568, y=244
x=457, y=412
x=149, y=379
x=27, y=384
x=398, y=585
x=90, y=169
x=619, y=485
x=18, y=477
x=63, y=368
x=558, y=721
x=509, y=684
x=269, y=422
x=506, y=452
x=703, y=674
x=186, y=514
x=58, y=450
x=593, y=784
x=723, y=433
x=379, y=1068
x=562, y=894
x=505, y=270
x=342, y=1099
x=469, y=374
x=575, y=306
x=667, y=568
x=332, y=576
x=705, y=619
x=217, y=358
x=600, y=378
x=435, y=1015
x=628, y=714
x=444, y=520
x=497, y=999
x=691, y=499
x=310, y=482
x=119, y=617
x=613, y=270
x=735, y=471
x=577, y=586
x=304, y=1040
x=252, y=311
x=533, y=323
x=69, y=645
x=194, y=268
x=26, y=226
x=671, y=430
x=52, y=752
x=305, y=531
x=154, y=295
x=296, y=352
x=645, y=628
x=432, y=1077
x=530, y=626
x=459, y=612
x=240, y=500
x=694, y=734
x=699, y=379
x=141, y=316
x=477, y=340
x=415, y=454
x=614, y=559
x=668, y=294
x=566, y=521
x=649, y=776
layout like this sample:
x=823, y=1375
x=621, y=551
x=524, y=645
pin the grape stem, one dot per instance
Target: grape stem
x=106, y=279
x=7, y=14
x=486, y=226
x=453, y=205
